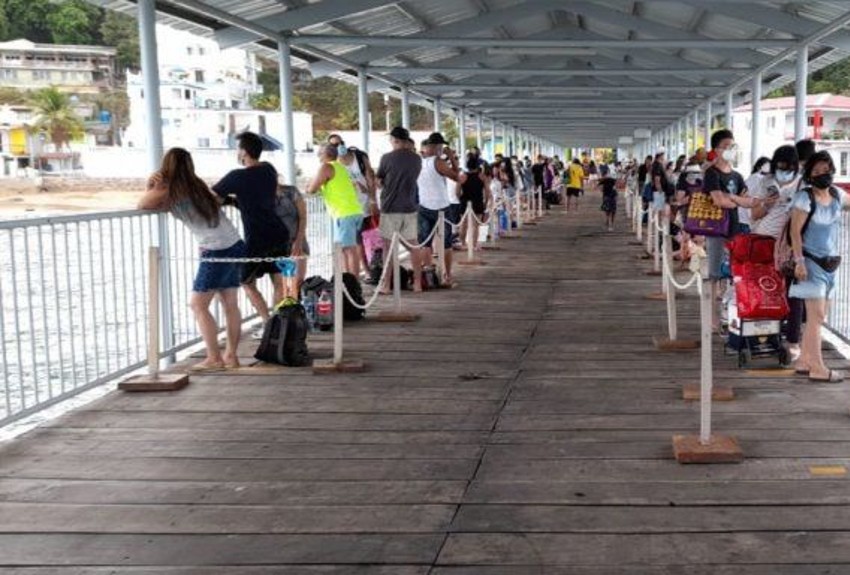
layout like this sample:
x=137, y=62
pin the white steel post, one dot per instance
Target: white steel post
x=730, y=111
x=405, y=106
x=363, y=109
x=708, y=121
x=438, y=112
x=150, y=78
x=802, y=81
x=756, y=117
x=285, y=65
x=479, y=129
x=338, y=303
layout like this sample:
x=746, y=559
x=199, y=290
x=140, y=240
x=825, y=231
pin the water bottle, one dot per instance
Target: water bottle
x=325, y=311
x=309, y=303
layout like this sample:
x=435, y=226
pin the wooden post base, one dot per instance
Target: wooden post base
x=158, y=382
x=490, y=247
x=395, y=317
x=512, y=236
x=637, y=243
x=324, y=366
x=692, y=392
x=667, y=344
x=655, y=273
x=529, y=223
x=656, y=296
x=719, y=449
x=645, y=256
x=475, y=262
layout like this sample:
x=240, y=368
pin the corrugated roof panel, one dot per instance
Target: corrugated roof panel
x=670, y=14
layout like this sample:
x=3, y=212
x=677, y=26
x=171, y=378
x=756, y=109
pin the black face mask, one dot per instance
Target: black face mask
x=822, y=182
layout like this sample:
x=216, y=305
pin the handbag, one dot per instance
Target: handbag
x=828, y=264
x=705, y=218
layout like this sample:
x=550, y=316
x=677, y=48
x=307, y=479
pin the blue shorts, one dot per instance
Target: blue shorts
x=214, y=276
x=345, y=230
x=427, y=222
x=819, y=284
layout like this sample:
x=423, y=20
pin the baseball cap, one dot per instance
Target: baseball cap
x=437, y=138
x=400, y=133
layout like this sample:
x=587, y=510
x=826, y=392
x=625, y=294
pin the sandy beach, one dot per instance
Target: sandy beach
x=47, y=203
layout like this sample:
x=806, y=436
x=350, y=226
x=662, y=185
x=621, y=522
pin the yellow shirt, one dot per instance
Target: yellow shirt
x=576, y=176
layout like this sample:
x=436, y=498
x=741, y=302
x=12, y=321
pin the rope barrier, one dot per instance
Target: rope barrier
x=374, y=298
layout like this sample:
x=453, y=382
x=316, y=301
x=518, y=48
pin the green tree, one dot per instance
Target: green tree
x=268, y=103
x=56, y=118
x=74, y=22
x=122, y=32
x=27, y=19
x=13, y=96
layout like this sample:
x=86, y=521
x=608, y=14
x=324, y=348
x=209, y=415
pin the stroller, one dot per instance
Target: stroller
x=755, y=304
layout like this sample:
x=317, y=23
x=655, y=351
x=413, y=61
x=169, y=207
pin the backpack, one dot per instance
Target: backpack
x=284, y=339
x=355, y=290
x=376, y=267
x=783, y=255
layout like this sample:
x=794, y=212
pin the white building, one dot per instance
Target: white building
x=205, y=96
x=828, y=120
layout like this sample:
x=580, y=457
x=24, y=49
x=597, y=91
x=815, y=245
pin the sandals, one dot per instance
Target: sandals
x=201, y=368
x=834, y=377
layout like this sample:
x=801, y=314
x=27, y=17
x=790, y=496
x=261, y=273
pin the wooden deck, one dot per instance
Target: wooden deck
x=523, y=426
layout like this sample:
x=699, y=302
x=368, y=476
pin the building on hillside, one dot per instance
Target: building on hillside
x=205, y=94
x=26, y=65
x=828, y=124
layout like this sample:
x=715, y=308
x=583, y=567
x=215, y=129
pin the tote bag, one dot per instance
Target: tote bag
x=705, y=218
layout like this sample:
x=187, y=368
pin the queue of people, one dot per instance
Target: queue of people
x=790, y=197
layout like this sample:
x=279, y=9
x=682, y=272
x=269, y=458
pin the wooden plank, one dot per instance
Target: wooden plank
x=226, y=570
x=229, y=519
x=803, y=548
x=255, y=549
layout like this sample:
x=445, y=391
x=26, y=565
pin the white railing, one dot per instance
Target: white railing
x=838, y=320
x=73, y=297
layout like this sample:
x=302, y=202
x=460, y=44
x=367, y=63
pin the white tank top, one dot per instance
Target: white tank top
x=218, y=238
x=432, y=186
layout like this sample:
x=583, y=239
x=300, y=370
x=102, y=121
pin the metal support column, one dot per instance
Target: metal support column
x=150, y=78
x=462, y=133
x=730, y=111
x=438, y=113
x=363, y=109
x=709, y=116
x=756, y=117
x=479, y=129
x=696, y=131
x=285, y=65
x=405, y=106
x=802, y=84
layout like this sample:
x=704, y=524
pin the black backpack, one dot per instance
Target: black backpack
x=376, y=267
x=311, y=292
x=285, y=337
x=355, y=290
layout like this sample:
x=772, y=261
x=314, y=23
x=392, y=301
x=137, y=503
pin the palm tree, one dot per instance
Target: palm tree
x=56, y=117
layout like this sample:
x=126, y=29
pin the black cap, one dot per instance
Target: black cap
x=437, y=138
x=400, y=133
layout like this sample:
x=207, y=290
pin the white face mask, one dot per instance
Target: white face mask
x=784, y=176
x=730, y=154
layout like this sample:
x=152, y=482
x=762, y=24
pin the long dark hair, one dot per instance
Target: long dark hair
x=178, y=173
x=508, y=169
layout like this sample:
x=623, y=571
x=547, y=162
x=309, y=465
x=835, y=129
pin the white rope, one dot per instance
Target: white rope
x=427, y=241
x=374, y=298
x=696, y=260
x=236, y=260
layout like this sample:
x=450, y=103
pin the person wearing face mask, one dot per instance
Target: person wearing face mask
x=815, y=228
x=760, y=169
x=728, y=191
x=777, y=189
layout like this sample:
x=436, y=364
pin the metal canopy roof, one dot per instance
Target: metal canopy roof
x=574, y=72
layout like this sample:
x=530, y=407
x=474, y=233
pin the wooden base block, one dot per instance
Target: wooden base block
x=529, y=223
x=653, y=273
x=512, y=236
x=637, y=243
x=719, y=449
x=395, y=317
x=657, y=296
x=645, y=256
x=490, y=247
x=692, y=392
x=324, y=366
x=159, y=382
x=667, y=344
x=475, y=262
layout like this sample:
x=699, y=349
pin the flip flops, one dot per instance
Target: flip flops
x=834, y=377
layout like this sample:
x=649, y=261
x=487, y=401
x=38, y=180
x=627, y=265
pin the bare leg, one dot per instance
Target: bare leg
x=233, y=321
x=449, y=256
x=277, y=292
x=388, y=273
x=256, y=299
x=427, y=256
x=811, y=356
x=352, y=260
x=200, y=304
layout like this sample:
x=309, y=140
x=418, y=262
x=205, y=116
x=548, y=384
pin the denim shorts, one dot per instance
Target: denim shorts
x=427, y=222
x=345, y=230
x=212, y=276
x=819, y=284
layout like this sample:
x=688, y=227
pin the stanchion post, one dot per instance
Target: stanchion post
x=518, y=200
x=656, y=236
x=397, y=314
x=707, y=447
x=338, y=364
x=153, y=380
x=672, y=320
x=440, y=238
x=469, y=216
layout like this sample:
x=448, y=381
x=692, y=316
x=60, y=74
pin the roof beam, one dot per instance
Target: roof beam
x=564, y=89
x=428, y=71
x=310, y=15
x=518, y=43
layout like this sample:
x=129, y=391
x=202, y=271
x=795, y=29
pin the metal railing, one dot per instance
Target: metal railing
x=73, y=299
x=838, y=319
